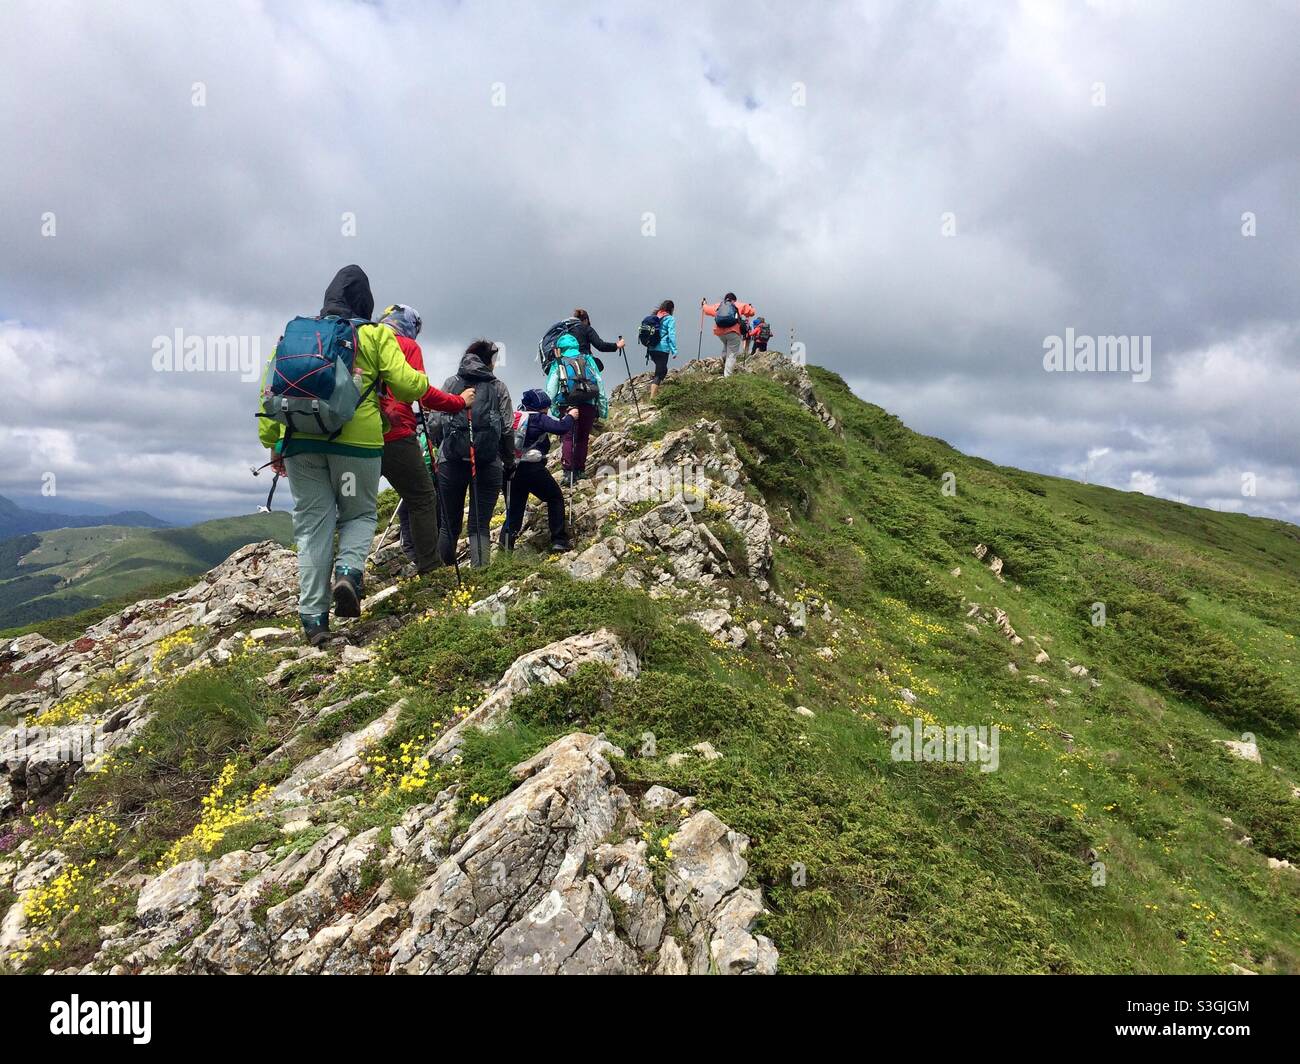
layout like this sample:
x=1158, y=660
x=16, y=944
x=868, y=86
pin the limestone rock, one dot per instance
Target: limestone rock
x=174, y=890
x=552, y=664
x=1248, y=750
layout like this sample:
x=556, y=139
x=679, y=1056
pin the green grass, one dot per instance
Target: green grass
x=83, y=570
x=1098, y=845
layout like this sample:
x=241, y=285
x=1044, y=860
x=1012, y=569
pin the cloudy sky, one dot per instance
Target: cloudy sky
x=924, y=193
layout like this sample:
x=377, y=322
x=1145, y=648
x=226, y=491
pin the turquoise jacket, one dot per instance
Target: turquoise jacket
x=568, y=348
x=667, y=335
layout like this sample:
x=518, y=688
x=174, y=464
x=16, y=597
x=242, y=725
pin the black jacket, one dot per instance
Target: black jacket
x=588, y=338
x=348, y=295
x=489, y=389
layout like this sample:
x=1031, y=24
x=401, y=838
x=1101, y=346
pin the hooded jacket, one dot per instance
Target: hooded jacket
x=474, y=371
x=402, y=420
x=379, y=359
x=348, y=295
x=537, y=436
x=568, y=347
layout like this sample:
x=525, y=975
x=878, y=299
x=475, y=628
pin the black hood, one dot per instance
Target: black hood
x=473, y=368
x=348, y=295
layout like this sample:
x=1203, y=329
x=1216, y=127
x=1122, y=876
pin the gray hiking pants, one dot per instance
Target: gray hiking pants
x=331, y=492
x=730, y=349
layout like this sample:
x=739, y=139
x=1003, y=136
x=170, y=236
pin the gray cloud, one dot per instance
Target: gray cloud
x=226, y=219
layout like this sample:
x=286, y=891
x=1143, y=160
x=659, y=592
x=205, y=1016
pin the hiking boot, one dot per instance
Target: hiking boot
x=316, y=630
x=569, y=478
x=347, y=592
x=561, y=545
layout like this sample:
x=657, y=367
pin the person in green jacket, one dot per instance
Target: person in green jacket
x=335, y=482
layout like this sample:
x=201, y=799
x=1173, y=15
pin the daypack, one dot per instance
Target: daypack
x=727, y=315
x=489, y=425
x=311, y=387
x=576, y=383
x=649, y=332
x=519, y=427
x=764, y=330
x=546, y=349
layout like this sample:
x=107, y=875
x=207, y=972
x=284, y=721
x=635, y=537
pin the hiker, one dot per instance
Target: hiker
x=760, y=332
x=588, y=338
x=405, y=464
x=532, y=429
x=475, y=465
x=333, y=471
x=576, y=383
x=658, y=332
x=727, y=314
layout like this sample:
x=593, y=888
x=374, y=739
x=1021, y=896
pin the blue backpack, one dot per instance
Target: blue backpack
x=649, y=332
x=727, y=315
x=310, y=385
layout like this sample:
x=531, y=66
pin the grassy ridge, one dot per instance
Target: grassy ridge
x=49, y=575
x=1100, y=844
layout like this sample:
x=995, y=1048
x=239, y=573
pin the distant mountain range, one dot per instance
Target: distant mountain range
x=61, y=571
x=17, y=521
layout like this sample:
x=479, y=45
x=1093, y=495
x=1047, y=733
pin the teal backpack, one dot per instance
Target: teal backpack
x=312, y=384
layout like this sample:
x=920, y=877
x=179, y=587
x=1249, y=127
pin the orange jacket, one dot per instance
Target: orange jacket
x=746, y=311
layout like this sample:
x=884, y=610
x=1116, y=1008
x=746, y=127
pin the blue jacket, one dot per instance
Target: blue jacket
x=667, y=335
x=568, y=348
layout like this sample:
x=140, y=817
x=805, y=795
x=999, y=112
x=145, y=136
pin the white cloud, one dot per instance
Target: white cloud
x=225, y=219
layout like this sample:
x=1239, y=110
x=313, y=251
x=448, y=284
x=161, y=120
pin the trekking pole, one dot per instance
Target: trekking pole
x=473, y=489
x=507, y=534
x=256, y=471
x=387, y=528
x=699, y=344
x=269, y=495
x=437, y=494
x=628, y=367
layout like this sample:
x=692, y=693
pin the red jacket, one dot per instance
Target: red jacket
x=401, y=418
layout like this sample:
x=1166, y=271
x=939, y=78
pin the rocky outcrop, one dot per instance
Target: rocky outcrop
x=553, y=878
x=565, y=873
x=517, y=896
x=550, y=665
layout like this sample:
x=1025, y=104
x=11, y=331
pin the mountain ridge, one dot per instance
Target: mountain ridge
x=717, y=684
x=48, y=575
x=18, y=521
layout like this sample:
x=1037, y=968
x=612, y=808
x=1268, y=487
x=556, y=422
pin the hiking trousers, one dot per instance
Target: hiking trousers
x=405, y=470
x=660, y=359
x=731, y=342
x=331, y=493
x=455, y=484
x=573, y=454
x=533, y=478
